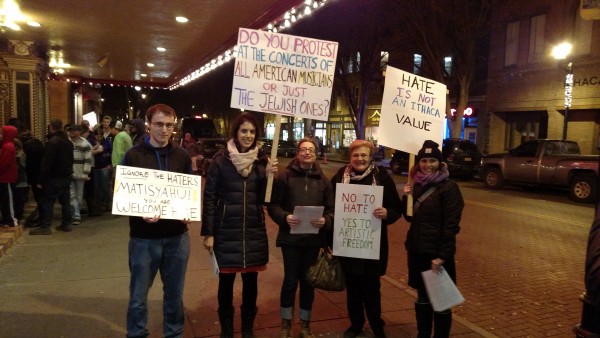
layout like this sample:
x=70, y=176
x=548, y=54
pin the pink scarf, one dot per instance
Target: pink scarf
x=242, y=161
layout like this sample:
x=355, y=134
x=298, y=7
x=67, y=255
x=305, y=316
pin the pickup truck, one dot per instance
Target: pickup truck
x=553, y=163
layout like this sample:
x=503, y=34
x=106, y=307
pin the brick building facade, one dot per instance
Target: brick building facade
x=526, y=85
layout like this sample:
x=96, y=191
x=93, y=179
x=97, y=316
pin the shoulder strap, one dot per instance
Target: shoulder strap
x=424, y=196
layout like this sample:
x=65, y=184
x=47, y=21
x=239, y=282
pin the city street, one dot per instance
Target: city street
x=520, y=258
x=520, y=268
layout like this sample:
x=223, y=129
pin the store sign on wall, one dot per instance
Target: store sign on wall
x=587, y=81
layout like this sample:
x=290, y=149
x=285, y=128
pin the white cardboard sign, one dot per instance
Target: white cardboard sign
x=356, y=232
x=283, y=74
x=412, y=111
x=148, y=193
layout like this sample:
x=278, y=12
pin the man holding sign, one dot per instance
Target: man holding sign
x=360, y=227
x=157, y=244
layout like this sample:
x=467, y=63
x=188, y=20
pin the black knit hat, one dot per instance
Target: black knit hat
x=430, y=149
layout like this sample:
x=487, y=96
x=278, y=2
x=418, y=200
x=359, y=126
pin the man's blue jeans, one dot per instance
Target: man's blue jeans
x=77, y=197
x=147, y=257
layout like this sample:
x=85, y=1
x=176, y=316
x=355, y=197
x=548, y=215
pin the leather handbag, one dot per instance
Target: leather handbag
x=326, y=273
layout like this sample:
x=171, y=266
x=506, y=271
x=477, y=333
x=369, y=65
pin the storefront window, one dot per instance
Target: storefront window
x=349, y=136
x=321, y=132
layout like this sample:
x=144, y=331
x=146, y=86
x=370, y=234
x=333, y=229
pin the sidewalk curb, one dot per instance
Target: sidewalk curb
x=8, y=238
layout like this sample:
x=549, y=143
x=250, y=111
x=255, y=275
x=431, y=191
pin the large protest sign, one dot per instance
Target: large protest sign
x=283, y=74
x=412, y=111
x=149, y=193
x=356, y=232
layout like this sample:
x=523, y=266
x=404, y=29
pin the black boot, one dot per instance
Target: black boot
x=424, y=314
x=226, y=320
x=248, y=315
x=442, y=321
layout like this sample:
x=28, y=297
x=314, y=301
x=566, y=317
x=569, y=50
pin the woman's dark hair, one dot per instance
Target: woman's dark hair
x=235, y=127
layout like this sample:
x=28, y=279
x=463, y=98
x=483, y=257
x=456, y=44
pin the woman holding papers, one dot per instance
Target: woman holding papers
x=301, y=235
x=233, y=221
x=431, y=239
x=363, y=283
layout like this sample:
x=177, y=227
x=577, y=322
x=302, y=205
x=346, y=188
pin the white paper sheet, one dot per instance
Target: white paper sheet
x=306, y=214
x=214, y=265
x=443, y=293
x=356, y=231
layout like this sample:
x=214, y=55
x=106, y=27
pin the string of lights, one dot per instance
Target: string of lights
x=286, y=21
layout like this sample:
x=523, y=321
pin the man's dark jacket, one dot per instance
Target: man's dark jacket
x=169, y=158
x=58, y=158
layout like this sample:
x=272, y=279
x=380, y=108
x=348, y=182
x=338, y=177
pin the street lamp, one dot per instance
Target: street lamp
x=560, y=52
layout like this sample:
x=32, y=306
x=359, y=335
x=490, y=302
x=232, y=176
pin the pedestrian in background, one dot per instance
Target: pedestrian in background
x=88, y=186
x=102, y=171
x=233, y=220
x=21, y=186
x=55, y=179
x=302, y=183
x=155, y=244
x=82, y=167
x=431, y=238
x=121, y=143
x=9, y=174
x=138, y=131
x=363, y=276
x=34, y=152
x=191, y=146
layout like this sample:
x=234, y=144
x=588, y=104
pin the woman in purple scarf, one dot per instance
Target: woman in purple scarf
x=431, y=239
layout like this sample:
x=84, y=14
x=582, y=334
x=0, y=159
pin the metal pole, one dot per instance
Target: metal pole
x=565, y=123
x=568, y=96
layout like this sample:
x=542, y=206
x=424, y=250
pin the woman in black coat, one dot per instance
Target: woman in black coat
x=363, y=283
x=233, y=220
x=431, y=238
x=302, y=183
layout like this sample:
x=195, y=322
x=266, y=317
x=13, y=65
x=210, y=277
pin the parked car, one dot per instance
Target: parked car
x=555, y=163
x=399, y=162
x=285, y=148
x=462, y=156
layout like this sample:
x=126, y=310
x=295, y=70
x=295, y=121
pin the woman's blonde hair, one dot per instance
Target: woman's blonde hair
x=362, y=143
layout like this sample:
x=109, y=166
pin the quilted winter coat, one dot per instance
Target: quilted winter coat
x=233, y=213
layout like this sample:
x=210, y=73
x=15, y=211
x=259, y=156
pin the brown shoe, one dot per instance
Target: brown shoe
x=64, y=228
x=41, y=231
x=305, y=329
x=286, y=328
